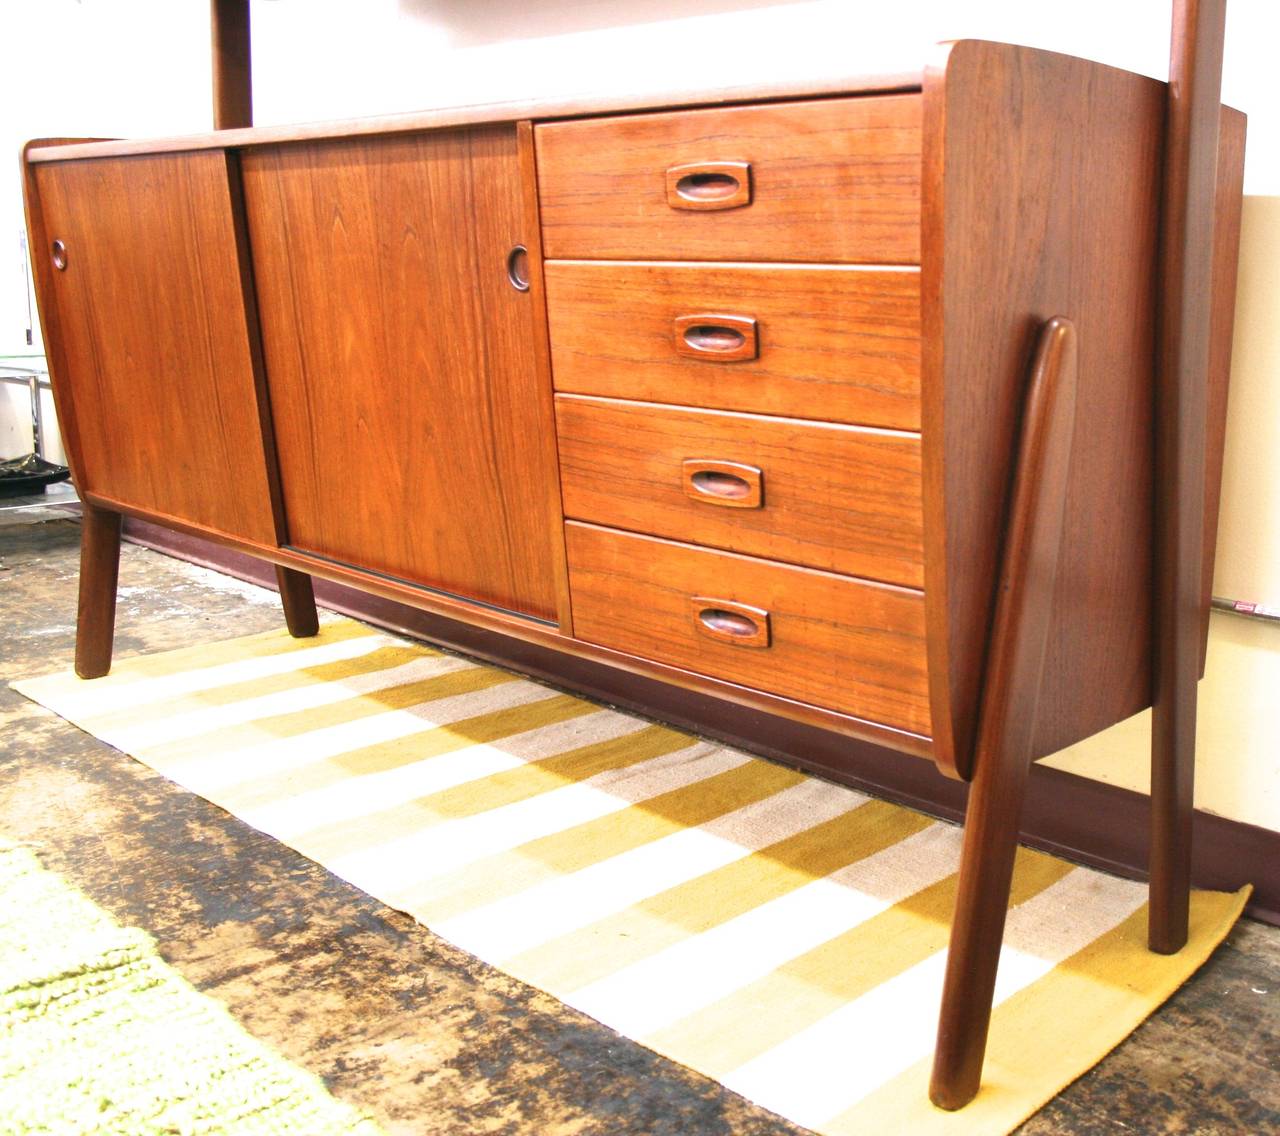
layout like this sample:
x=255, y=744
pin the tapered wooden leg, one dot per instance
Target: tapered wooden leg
x=1006, y=726
x=982, y=902
x=299, y=602
x=99, y=572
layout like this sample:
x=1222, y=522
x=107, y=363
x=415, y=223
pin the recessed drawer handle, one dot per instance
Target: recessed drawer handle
x=723, y=483
x=728, y=622
x=709, y=337
x=717, y=338
x=709, y=185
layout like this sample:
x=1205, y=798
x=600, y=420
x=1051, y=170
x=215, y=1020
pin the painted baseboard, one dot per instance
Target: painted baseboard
x=1078, y=818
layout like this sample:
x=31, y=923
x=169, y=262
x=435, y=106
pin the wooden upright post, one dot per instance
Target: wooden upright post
x=233, y=107
x=232, y=74
x=1191, y=168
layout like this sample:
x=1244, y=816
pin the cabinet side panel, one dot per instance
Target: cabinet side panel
x=410, y=418
x=1042, y=184
x=153, y=344
x=1226, y=262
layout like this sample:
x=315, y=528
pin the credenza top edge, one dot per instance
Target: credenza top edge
x=478, y=114
x=900, y=74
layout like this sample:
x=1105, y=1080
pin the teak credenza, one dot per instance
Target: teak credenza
x=843, y=404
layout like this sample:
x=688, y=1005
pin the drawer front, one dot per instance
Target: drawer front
x=840, y=344
x=841, y=498
x=825, y=180
x=842, y=644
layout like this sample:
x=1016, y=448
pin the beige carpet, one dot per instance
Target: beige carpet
x=781, y=934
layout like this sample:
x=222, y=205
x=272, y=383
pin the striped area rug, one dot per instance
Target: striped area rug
x=781, y=934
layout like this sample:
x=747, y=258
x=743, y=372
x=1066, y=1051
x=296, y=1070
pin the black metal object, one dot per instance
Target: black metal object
x=29, y=474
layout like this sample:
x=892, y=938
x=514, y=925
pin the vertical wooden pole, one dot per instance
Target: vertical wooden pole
x=232, y=73
x=233, y=107
x=1191, y=167
x=1006, y=726
x=99, y=573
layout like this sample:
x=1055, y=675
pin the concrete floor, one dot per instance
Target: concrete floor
x=422, y=1035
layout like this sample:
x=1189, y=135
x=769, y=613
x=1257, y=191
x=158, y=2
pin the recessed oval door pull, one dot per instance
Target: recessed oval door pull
x=732, y=484
x=59, y=251
x=727, y=621
x=518, y=268
x=709, y=185
x=717, y=338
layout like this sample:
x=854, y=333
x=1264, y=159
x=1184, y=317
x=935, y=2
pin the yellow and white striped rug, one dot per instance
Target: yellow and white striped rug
x=781, y=934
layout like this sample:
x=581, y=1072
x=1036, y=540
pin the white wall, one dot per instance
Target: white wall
x=90, y=68
x=140, y=67
x=318, y=58
x=1238, y=769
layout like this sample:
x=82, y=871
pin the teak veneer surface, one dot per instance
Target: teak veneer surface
x=1038, y=194
x=837, y=344
x=409, y=417
x=834, y=497
x=839, y=643
x=831, y=180
x=150, y=330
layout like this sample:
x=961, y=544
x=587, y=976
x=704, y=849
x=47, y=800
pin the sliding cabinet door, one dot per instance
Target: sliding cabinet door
x=149, y=334
x=410, y=421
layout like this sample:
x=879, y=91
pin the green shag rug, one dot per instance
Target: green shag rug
x=99, y=1035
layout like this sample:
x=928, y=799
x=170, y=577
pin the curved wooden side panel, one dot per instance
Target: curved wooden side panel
x=42, y=271
x=1041, y=195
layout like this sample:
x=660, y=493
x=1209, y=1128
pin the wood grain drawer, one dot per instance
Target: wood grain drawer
x=826, y=640
x=825, y=180
x=840, y=344
x=842, y=498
